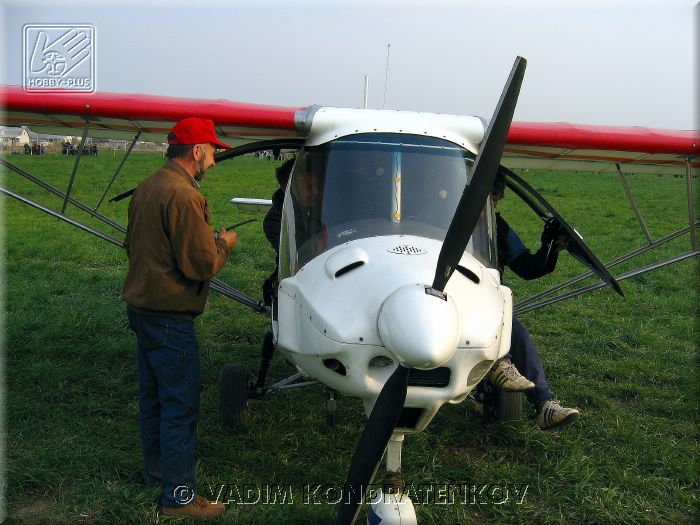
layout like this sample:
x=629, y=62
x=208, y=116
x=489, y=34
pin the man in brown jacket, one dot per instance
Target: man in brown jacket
x=173, y=254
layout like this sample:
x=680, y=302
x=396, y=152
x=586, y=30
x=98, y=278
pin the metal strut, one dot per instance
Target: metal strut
x=691, y=211
x=75, y=166
x=286, y=384
x=633, y=203
x=609, y=264
x=48, y=187
x=215, y=284
x=62, y=217
x=600, y=284
x=119, y=168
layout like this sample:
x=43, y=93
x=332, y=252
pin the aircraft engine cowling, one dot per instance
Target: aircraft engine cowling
x=420, y=328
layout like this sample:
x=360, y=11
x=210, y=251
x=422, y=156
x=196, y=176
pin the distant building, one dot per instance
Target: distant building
x=9, y=136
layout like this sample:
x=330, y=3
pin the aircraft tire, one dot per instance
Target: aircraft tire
x=234, y=409
x=509, y=405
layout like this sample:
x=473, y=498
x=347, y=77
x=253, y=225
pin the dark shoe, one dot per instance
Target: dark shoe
x=200, y=508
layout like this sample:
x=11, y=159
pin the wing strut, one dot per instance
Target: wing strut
x=119, y=168
x=61, y=217
x=75, y=166
x=518, y=310
x=691, y=211
x=614, y=262
x=61, y=195
x=216, y=284
x=633, y=203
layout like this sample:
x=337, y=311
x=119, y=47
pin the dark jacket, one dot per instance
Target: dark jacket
x=272, y=223
x=170, y=244
x=516, y=256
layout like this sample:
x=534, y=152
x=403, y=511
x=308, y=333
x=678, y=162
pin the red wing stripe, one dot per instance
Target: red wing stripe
x=601, y=158
x=148, y=107
x=579, y=136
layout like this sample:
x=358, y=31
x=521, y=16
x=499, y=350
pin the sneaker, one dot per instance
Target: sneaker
x=200, y=508
x=505, y=375
x=554, y=415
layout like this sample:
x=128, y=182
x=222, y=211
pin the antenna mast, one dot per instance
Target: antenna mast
x=386, y=74
x=366, y=90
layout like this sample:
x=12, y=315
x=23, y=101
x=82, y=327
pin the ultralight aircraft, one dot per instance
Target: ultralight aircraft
x=388, y=285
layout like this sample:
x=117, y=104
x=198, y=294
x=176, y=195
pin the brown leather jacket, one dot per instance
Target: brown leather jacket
x=170, y=244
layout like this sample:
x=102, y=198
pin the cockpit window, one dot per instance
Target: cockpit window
x=369, y=185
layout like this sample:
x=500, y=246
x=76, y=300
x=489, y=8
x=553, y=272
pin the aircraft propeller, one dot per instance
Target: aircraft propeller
x=387, y=408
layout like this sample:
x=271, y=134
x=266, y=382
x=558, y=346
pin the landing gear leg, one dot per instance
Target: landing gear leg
x=236, y=387
x=268, y=348
x=392, y=507
x=331, y=407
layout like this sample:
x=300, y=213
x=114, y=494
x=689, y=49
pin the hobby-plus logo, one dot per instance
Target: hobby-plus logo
x=59, y=57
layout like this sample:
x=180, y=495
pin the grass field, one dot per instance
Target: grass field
x=630, y=365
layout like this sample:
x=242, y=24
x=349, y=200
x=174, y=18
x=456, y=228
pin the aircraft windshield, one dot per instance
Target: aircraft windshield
x=371, y=185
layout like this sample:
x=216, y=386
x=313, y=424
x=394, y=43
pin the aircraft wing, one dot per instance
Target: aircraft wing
x=121, y=116
x=530, y=145
x=576, y=147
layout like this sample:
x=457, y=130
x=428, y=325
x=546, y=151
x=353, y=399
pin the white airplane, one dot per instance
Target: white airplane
x=388, y=283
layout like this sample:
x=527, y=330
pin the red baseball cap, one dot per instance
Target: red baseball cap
x=195, y=130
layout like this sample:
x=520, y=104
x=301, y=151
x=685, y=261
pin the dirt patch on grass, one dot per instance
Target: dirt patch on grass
x=33, y=512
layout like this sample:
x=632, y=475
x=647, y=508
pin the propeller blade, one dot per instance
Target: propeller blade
x=477, y=191
x=372, y=443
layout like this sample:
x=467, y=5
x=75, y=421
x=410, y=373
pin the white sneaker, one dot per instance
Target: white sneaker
x=554, y=415
x=504, y=375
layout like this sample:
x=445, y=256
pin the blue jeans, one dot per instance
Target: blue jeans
x=524, y=356
x=169, y=384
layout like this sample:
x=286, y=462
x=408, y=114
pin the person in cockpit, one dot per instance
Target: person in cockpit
x=525, y=359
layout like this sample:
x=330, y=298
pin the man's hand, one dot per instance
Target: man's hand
x=231, y=237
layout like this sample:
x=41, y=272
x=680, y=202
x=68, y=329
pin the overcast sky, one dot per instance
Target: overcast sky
x=595, y=62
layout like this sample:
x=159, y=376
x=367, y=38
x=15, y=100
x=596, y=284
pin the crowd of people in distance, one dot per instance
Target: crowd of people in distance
x=66, y=149
x=88, y=149
x=34, y=149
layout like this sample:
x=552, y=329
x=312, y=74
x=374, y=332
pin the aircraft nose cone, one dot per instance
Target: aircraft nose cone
x=421, y=330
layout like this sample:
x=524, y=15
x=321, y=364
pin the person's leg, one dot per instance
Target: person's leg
x=526, y=359
x=149, y=405
x=550, y=414
x=176, y=365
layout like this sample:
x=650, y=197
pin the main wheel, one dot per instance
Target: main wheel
x=234, y=409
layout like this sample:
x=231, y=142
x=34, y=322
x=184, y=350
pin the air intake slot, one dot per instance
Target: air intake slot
x=468, y=274
x=436, y=378
x=349, y=268
x=345, y=260
x=335, y=365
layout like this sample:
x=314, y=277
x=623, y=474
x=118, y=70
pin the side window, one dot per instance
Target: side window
x=302, y=236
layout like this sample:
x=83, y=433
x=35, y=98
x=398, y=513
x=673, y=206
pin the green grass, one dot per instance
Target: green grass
x=630, y=365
